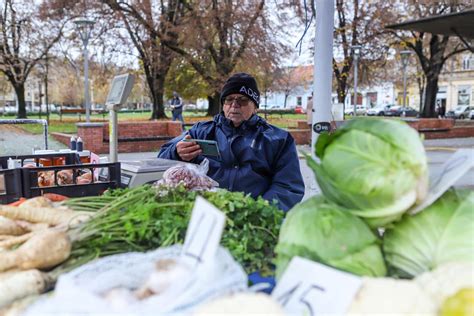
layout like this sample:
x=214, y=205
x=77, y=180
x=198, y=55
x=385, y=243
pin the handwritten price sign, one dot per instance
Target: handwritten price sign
x=310, y=288
x=203, y=234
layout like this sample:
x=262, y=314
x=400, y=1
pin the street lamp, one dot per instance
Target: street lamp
x=404, y=55
x=84, y=28
x=356, y=53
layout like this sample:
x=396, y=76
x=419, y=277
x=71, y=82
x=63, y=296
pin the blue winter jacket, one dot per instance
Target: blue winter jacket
x=256, y=158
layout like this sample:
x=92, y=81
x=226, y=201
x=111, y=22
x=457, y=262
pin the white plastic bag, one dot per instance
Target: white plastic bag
x=82, y=290
x=192, y=176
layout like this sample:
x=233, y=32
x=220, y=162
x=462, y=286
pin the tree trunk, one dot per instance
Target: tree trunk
x=429, y=109
x=214, y=104
x=20, y=94
x=341, y=91
x=157, y=87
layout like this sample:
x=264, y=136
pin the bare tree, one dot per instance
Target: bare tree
x=149, y=23
x=26, y=38
x=432, y=50
x=220, y=37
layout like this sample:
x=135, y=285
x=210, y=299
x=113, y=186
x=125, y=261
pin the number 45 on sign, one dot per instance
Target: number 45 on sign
x=310, y=288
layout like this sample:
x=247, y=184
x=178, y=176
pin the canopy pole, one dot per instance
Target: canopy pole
x=322, y=82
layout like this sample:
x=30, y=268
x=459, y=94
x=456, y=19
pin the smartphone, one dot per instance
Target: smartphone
x=208, y=147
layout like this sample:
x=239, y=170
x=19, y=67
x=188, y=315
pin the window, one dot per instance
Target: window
x=299, y=101
x=468, y=63
x=464, y=95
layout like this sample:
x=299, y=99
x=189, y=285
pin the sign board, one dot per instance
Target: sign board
x=311, y=288
x=320, y=127
x=203, y=234
x=451, y=171
x=120, y=89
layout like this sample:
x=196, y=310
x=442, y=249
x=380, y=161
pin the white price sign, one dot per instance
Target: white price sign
x=453, y=169
x=310, y=288
x=203, y=234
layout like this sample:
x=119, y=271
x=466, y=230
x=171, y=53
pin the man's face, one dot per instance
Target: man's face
x=238, y=108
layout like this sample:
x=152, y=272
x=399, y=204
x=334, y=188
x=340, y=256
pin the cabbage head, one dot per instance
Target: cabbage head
x=377, y=168
x=320, y=231
x=441, y=233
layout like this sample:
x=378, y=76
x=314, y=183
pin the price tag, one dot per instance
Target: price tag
x=203, y=234
x=310, y=288
x=451, y=171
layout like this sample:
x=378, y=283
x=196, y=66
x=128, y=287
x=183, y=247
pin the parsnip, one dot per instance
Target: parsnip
x=39, y=201
x=14, y=240
x=19, y=284
x=32, y=227
x=9, y=227
x=49, y=215
x=45, y=249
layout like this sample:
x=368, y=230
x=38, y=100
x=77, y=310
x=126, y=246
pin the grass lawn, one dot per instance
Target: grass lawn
x=68, y=124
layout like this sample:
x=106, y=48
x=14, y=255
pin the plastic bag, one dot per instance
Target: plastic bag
x=83, y=290
x=192, y=176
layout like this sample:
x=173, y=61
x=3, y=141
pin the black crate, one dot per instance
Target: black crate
x=70, y=158
x=10, y=185
x=109, y=179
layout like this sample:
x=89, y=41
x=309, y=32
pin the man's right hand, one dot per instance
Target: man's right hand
x=187, y=151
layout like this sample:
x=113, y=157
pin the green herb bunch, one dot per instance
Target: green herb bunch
x=147, y=217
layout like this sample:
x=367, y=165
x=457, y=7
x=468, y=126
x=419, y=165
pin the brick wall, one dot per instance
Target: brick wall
x=95, y=136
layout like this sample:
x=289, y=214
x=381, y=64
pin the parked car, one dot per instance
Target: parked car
x=360, y=110
x=378, y=110
x=471, y=115
x=299, y=109
x=460, y=112
x=402, y=111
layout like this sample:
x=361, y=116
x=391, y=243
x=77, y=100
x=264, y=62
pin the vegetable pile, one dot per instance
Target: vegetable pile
x=33, y=240
x=146, y=218
x=371, y=172
x=443, y=232
x=376, y=168
x=323, y=232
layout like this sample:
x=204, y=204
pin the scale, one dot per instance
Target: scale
x=136, y=173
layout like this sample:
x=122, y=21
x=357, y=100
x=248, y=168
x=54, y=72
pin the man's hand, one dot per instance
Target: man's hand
x=188, y=150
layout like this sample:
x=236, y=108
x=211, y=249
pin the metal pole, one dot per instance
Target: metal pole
x=322, y=85
x=86, y=81
x=404, y=83
x=356, y=60
x=113, y=134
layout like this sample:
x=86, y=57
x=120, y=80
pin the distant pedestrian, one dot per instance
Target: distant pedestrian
x=177, y=108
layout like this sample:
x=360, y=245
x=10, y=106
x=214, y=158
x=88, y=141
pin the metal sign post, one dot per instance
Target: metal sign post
x=322, y=103
x=118, y=94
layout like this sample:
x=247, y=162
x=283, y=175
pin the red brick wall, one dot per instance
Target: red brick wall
x=96, y=135
x=301, y=136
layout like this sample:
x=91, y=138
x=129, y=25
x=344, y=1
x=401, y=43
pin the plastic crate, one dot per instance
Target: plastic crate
x=69, y=158
x=109, y=178
x=10, y=185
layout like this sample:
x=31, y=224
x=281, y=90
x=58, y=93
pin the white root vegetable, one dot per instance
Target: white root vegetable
x=9, y=227
x=39, y=201
x=49, y=215
x=14, y=240
x=19, y=284
x=32, y=227
x=43, y=250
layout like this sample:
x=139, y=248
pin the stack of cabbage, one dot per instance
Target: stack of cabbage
x=371, y=172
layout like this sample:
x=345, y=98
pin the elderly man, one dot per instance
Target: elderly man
x=255, y=156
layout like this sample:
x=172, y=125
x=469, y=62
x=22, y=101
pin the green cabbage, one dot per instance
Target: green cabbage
x=441, y=233
x=377, y=168
x=324, y=232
